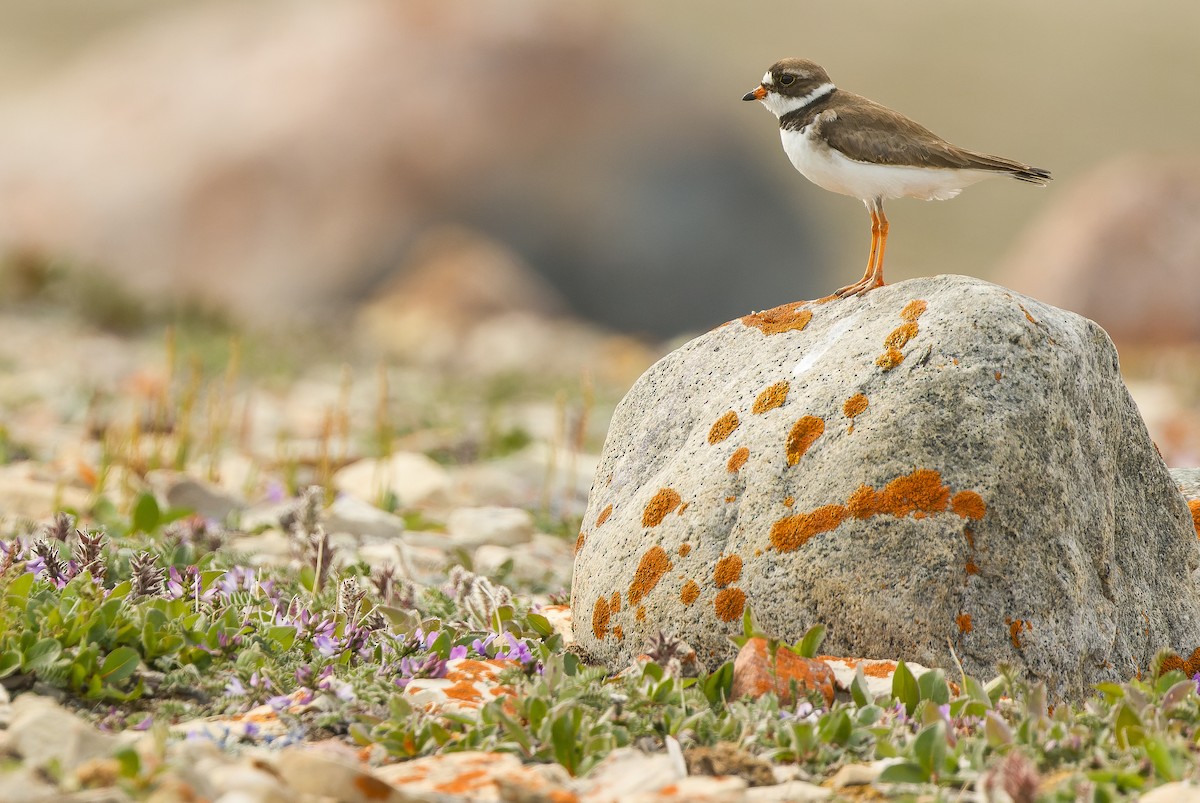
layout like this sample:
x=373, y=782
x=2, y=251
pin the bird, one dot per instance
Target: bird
x=851, y=145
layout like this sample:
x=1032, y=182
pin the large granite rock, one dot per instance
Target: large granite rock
x=940, y=463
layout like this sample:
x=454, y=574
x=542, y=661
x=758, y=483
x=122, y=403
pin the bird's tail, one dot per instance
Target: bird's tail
x=1021, y=172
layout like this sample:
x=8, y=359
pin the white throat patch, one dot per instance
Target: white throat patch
x=780, y=105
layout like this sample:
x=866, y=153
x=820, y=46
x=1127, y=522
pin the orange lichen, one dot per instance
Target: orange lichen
x=1028, y=317
x=653, y=565
x=684, y=550
x=800, y=439
x=641, y=613
x=770, y=398
x=1015, y=626
x=371, y=788
x=1194, y=507
x=600, y=615
x=880, y=670
x=969, y=534
x=723, y=427
x=728, y=570
x=468, y=781
x=729, y=604
x=855, y=405
x=969, y=505
x=737, y=460
x=691, y=590
x=731, y=499
x=913, y=309
x=964, y=623
x=972, y=567
x=922, y=490
x=663, y=502
x=618, y=633
x=1189, y=666
x=784, y=318
x=579, y=539
x=682, y=508
x=789, y=534
x=614, y=602
x=918, y=494
x=604, y=514
x=900, y=336
x=999, y=376
x=789, y=501
x=889, y=359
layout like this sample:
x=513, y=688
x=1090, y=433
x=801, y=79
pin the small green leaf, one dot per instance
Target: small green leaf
x=129, y=764
x=812, y=641
x=835, y=727
x=718, y=684
x=41, y=655
x=119, y=664
x=146, y=515
x=1111, y=691
x=18, y=590
x=539, y=624
x=10, y=662
x=904, y=688
x=284, y=635
x=858, y=688
x=904, y=772
x=977, y=692
x=932, y=686
x=929, y=748
x=996, y=730
x=1166, y=767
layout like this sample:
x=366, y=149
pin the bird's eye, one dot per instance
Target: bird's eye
x=787, y=80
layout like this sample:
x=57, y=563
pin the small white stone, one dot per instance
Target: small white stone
x=502, y=526
x=413, y=478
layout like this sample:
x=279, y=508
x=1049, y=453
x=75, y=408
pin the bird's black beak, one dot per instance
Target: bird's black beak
x=757, y=94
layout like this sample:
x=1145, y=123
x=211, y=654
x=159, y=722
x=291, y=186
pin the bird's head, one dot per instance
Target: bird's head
x=791, y=84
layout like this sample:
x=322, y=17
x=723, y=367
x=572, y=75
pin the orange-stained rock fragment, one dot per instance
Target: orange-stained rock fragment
x=689, y=593
x=737, y=460
x=729, y=604
x=855, y=405
x=900, y=336
x=756, y=674
x=653, y=565
x=790, y=533
x=913, y=309
x=969, y=505
x=800, y=439
x=728, y=570
x=604, y=514
x=1194, y=506
x=600, y=615
x=723, y=427
x=663, y=502
x=964, y=623
x=770, y=398
x=784, y=318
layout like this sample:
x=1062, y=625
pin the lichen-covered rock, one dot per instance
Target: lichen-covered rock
x=939, y=463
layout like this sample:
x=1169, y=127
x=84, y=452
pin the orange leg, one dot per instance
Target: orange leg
x=863, y=284
x=877, y=276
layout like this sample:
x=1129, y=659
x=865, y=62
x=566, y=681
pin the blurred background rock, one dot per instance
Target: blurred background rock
x=474, y=182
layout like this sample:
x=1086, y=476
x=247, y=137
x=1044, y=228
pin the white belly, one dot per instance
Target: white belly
x=832, y=171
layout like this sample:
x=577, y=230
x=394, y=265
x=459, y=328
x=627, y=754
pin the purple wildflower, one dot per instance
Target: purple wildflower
x=458, y=652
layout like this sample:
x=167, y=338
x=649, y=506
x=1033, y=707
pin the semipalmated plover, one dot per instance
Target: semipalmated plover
x=846, y=143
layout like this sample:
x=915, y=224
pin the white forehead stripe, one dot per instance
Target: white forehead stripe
x=767, y=79
x=781, y=105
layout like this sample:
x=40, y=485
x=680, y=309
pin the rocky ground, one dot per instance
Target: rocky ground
x=400, y=632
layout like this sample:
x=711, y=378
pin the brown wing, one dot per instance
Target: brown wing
x=868, y=132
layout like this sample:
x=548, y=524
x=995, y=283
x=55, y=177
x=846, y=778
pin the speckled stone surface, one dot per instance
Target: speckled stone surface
x=941, y=462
